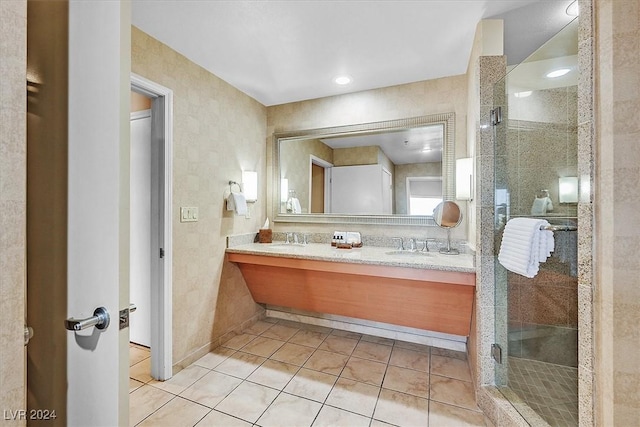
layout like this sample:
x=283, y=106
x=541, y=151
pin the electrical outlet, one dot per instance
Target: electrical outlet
x=188, y=214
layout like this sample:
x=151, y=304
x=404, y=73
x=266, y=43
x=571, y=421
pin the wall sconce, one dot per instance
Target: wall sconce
x=284, y=190
x=464, y=179
x=250, y=184
x=568, y=189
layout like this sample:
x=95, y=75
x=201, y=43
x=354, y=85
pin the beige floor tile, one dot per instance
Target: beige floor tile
x=293, y=353
x=288, y=410
x=145, y=401
x=337, y=344
x=308, y=338
x=177, y=413
x=441, y=415
x=401, y=409
x=364, y=371
x=407, y=381
x=180, y=381
x=138, y=354
x=453, y=392
x=372, y=351
x=411, y=359
x=450, y=367
x=262, y=346
x=377, y=340
x=353, y=396
x=239, y=341
x=273, y=374
x=346, y=334
x=378, y=423
x=413, y=346
x=310, y=384
x=240, y=364
x=134, y=385
x=332, y=417
x=280, y=332
x=329, y=363
x=218, y=419
x=141, y=371
x=215, y=357
x=211, y=389
x=258, y=327
x=248, y=401
x=316, y=328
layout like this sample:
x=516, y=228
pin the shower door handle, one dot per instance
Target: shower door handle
x=100, y=320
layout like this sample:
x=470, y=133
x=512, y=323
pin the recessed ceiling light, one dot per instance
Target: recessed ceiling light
x=523, y=94
x=573, y=9
x=558, y=73
x=342, y=80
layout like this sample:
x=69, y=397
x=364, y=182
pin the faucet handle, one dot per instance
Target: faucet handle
x=412, y=244
x=426, y=244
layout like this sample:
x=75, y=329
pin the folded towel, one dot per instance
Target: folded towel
x=524, y=246
x=237, y=202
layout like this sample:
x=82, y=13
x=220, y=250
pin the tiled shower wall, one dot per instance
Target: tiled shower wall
x=13, y=51
x=218, y=131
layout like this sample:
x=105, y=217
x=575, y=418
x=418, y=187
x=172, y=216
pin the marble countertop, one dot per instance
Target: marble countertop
x=365, y=255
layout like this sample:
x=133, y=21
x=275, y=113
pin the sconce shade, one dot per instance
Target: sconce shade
x=250, y=184
x=568, y=189
x=464, y=179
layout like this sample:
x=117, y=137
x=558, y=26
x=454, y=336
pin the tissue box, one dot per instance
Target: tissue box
x=265, y=235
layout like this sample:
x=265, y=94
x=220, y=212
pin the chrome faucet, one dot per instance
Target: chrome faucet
x=288, y=238
x=412, y=245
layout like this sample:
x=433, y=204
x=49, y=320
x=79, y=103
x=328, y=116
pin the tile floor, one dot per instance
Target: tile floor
x=280, y=373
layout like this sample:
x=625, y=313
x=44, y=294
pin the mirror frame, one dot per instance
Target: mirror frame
x=448, y=185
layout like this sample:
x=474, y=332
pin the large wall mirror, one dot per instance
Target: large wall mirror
x=391, y=172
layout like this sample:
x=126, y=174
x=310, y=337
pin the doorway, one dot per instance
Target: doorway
x=319, y=185
x=151, y=164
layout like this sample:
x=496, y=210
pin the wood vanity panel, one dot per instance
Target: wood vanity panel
x=434, y=300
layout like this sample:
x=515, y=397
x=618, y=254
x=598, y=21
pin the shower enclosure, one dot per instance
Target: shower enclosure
x=535, y=130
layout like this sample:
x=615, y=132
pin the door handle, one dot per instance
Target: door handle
x=28, y=334
x=100, y=320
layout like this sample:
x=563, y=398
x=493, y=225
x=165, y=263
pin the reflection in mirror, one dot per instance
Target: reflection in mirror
x=399, y=167
x=447, y=215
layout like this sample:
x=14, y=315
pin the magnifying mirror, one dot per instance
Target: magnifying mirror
x=447, y=215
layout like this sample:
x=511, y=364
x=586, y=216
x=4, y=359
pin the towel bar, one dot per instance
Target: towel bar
x=559, y=227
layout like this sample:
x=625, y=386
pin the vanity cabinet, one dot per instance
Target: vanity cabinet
x=433, y=300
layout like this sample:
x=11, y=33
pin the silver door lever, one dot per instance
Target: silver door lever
x=100, y=320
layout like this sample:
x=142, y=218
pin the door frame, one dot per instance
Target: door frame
x=314, y=160
x=161, y=295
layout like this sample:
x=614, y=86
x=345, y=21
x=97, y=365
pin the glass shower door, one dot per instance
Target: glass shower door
x=535, y=170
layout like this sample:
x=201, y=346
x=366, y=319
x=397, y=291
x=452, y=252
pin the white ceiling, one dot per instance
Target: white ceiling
x=286, y=51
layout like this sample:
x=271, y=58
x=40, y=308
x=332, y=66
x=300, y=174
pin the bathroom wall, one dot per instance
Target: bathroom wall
x=218, y=131
x=13, y=51
x=448, y=94
x=356, y=156
x=616, y=200
x=296, y=169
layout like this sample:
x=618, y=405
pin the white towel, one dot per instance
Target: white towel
x=524, y=246
x=237, y=202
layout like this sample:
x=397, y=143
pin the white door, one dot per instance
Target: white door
x=98, y=204
x=356, y=190
x=140, y=282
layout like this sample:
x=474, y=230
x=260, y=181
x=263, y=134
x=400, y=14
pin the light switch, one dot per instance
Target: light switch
x=189, y=214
